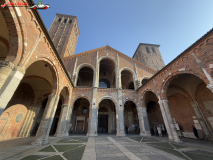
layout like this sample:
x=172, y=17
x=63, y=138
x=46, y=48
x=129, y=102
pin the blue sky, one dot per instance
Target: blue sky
x=123, y=24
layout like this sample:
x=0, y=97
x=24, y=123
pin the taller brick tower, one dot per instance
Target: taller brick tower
x=64, y=32
x=149, y=55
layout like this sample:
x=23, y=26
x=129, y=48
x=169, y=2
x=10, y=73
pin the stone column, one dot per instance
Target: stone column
x=46, y=121
x=61, y=127
x=202, y=120
x=143, y=121
x=68, y=120
x=120, y=121
x=167, y=117
x=10, y=80
x=93, y=122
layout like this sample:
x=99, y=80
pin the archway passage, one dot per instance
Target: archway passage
x=107, y=74
x=85, y=77
x=39, y=117
x=80, y=116
x=56, y=118
x=4, y=38
x=131, y=118
x=154, y=114
x=127, y=80
x=24, y=111
x=191, y=104
x=106, y=117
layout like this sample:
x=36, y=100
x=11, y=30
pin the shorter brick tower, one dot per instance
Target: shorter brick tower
x=64, y=32
x=149, y=55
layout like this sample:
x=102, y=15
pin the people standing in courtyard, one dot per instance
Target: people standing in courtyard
x=159, y=131
x=155, y=130
x=195, y=132
x=126, y=128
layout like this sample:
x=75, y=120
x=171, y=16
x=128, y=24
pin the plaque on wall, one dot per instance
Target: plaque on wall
x=19, y=117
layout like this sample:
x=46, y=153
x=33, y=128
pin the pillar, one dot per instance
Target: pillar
x=10, y=78
x=143, y=121
x=62, y=123
x=167, y=117
x=46, y=121
x=93, y=122
x=93, y=116
x=202, y=120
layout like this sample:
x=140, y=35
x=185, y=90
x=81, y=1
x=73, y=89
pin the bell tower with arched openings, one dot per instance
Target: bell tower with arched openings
x=149, y=55
x=64, y=32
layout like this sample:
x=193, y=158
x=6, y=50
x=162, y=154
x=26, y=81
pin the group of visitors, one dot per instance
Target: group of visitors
x=157, y=129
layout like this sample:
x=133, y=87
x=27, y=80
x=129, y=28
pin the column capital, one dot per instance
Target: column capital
x=210, y=86
x=20, y=69
x=6, y=64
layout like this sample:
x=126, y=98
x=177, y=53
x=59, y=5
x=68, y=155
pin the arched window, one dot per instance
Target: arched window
x=144, y=81
x=127, y=80
x=85, y=77
x=70, y=21
x=107, y=72
x=59, y=20
x=153, y=50
x=147, y=50
x=104, y=83
x=65, y=20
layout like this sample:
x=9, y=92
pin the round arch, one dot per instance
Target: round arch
x=107, y=97
x=144, y=94
x=107, y=57
x=53, y=69
x=165, y=84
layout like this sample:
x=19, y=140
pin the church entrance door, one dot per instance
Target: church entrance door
x=102, y=123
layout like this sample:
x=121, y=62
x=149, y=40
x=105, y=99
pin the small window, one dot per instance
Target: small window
x=65, y=20
x=153, y=50
x=70, y=21
x=59, y=20
x=84, y=110
x=139, y=53
x=147, y=50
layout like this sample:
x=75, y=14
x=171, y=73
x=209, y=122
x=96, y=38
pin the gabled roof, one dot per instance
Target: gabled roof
x=108, y=47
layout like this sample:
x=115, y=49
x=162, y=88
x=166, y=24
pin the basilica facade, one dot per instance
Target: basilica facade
x=47, y=90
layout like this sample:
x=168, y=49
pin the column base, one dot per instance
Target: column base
x=92, y=134
x=121, y=133
x=61, y=135
x=174, y=140
x=40, y=142
x=146, y=134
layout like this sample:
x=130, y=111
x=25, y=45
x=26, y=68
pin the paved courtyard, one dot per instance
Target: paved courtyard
x=106, y=147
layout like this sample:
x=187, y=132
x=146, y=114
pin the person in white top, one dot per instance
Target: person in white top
x=159, y=131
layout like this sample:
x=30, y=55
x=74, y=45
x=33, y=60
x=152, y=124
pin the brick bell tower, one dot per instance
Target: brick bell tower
x=149, y=55
x=64, y=32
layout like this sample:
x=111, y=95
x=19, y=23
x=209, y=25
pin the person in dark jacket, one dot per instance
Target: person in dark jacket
x=126, y=128
x=195, y=132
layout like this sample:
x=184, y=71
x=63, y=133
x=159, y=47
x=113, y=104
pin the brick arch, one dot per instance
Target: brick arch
x=107, y=57
x=76, y=98
x=127, y=69
x=186, y=94
x=53, y=69
x=15, y=45
x=164, y=86
x=107, y=97
x=37, y=77
x=144, y=94
x=85, y=65
x=131, y=100
x=68, y=95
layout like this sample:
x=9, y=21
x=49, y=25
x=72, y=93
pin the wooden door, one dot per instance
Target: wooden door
x=80, y=125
